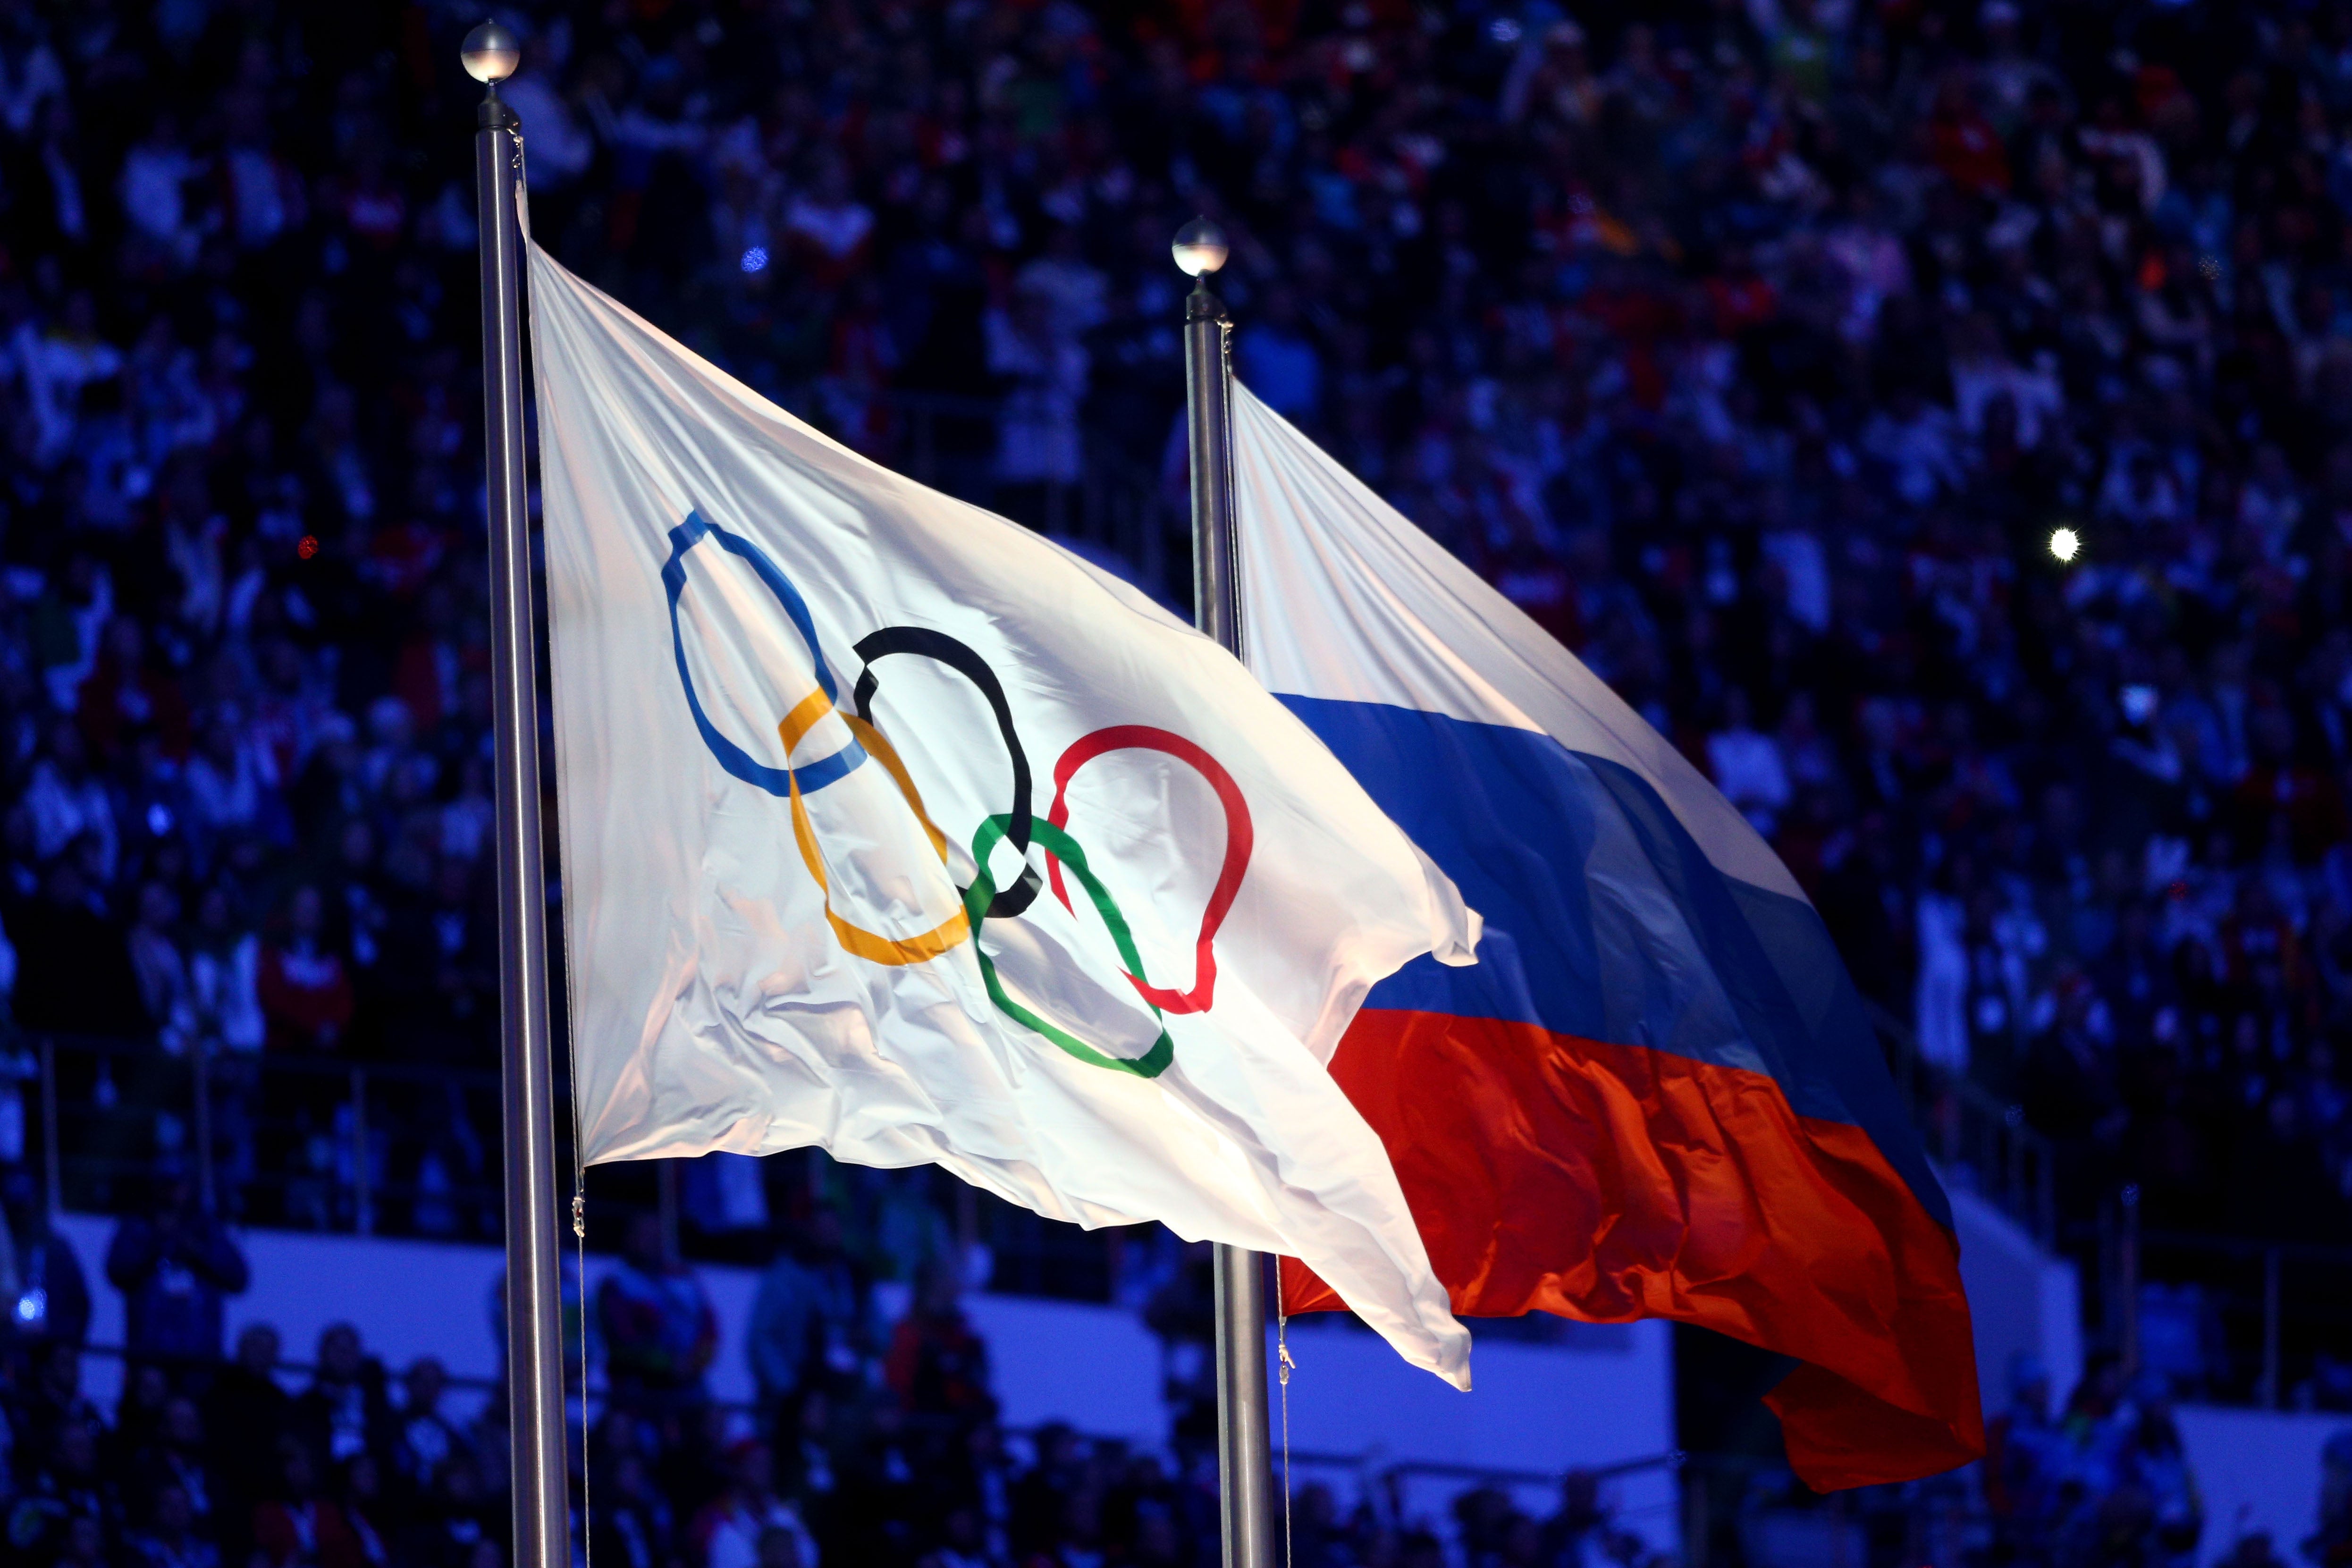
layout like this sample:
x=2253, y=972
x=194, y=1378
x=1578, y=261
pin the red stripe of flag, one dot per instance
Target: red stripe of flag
x=1610, y=1183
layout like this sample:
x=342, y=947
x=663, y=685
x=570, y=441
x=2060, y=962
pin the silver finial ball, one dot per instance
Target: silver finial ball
x=1200, y=246
x=492, y=53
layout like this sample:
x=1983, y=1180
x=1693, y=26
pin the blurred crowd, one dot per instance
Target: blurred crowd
x=1761, y=349
x=874, y=1439
x=2103, y=1478
x=1936, y=417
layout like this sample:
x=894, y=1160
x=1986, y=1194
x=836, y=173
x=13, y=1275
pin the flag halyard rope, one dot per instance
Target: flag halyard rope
x=580, y=1240
x=1284, y=1367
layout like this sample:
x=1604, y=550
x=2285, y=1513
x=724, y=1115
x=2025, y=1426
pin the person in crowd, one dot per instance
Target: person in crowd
x=297, y=1527
x=175, y=1540
x=631, y=1516
x=2026, y=1461
x=247, y=1414
x=1580, y=1521
x=54, y=1402
x=346, y=1411
x=658, y=1327
x=65, y=1503
x=428, y=1439
x=2140, y=1453
x=304, y=987
x=809, y=1319
x=964, y=1542
x=361, y=1495
x=139, y=1407
x=160, y=969
x=456, y=1523
x=731, y=1532
x=937, y=1363
x=2255, y=1550
x=782, y=1546
x=73, y=955
x=47, y=1298
x=2331, y=1543
x=1041, y=1496
x=175, y=1266
x=177, y=1460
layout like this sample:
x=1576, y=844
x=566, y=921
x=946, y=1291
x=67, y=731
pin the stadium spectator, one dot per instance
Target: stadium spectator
x=48, y=1298
x=426, y=1440
x=659, y=1328
x=304, y=989
x=174, y=1266
x=246, y=1416
x=174, y=1539
x=175, y=1460
x=1756, y=346
x=346, y=1412
x=733, y=1530
x=1759, y=353
x=809, y=1320
x=298, y=1527
x=938, y=1364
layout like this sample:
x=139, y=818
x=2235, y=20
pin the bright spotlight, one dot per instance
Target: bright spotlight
x=2065, y=544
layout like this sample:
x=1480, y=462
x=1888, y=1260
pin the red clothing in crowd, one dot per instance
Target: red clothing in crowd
x=313, y=1534
x=307, y=994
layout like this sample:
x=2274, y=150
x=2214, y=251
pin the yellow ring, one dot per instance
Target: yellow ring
x=882, y=751
x=870, y=945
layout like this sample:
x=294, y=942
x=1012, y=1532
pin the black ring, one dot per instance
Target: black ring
x=945, y=649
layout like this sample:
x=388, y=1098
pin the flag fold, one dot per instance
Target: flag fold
x=891, y=827
x=1657, y=1094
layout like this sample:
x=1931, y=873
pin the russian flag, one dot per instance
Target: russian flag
x=1656, y=1094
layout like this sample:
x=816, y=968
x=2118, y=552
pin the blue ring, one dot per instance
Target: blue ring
x=732, y=757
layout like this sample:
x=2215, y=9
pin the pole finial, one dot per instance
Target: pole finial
x=491, y=54
x=1199, y=249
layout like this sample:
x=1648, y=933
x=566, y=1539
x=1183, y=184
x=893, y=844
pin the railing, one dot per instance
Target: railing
x=323, y=1143
x=1390, y=1481
x=319, y=1142
x=1745, y=1509
x=1969, y=1128
x=2291, y=1300
x=305, y=1141
x=1373, y=1470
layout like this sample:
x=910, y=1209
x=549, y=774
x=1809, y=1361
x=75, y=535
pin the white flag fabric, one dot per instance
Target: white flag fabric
x=891, y=827
x=1658, y=1093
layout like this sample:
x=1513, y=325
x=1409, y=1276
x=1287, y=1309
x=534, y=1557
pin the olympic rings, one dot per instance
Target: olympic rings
x=981, y=900
x=733, y=758
x=976, y=901
x=945, y=649
x=870, y=945
x=1241, y=837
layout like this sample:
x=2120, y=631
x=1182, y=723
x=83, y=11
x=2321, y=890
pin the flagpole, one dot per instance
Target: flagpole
x=534, y=1321
x=1244, y=1467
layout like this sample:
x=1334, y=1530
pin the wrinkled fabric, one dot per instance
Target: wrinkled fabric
x=1657, y=1094
x=790, y=867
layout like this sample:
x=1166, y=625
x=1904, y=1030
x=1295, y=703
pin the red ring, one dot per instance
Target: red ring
x=1240, y=837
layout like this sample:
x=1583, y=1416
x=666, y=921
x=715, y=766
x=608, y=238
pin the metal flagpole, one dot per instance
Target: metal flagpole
x=1244, y=1465
x=534, y=1287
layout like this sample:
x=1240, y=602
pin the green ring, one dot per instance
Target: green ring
x=976, y=899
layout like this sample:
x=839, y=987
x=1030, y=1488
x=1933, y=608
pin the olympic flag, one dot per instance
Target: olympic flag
x=806, y=712
x=1656, y=1095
